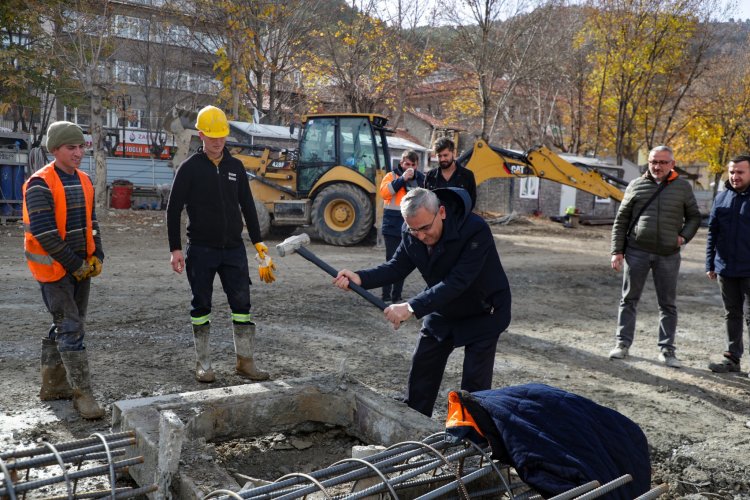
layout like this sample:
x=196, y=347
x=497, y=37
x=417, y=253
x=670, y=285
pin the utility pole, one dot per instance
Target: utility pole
x=123, y=102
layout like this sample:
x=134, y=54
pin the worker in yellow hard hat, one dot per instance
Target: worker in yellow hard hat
x=212, y=186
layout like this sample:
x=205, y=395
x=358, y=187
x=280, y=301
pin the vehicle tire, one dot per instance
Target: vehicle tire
x=342, y=214
x=264, y=219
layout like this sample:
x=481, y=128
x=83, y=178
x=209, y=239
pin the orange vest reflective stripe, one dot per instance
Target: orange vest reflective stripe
x=43, y=267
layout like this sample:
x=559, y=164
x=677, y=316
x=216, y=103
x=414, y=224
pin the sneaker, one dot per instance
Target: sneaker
x=619, y=352
x=669, y=359
x=726, y=365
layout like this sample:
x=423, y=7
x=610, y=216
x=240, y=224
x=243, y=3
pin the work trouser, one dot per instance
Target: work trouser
x=67, y=301
x=392, y=291
x=665, y=271
x=735, y=293
x=202, y=264
x=428, y=365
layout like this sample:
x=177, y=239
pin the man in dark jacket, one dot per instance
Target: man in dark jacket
x=728, y=257
x=449, y=173
x=657, y=217
x=467, y=299
x=214, y=188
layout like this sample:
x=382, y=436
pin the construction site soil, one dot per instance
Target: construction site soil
x=565, y=300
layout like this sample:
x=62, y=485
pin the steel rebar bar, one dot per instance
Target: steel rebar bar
x=67, y=445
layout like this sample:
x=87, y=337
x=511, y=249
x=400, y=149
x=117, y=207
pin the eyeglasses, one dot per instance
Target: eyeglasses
x=659, y=162
x=426, y=227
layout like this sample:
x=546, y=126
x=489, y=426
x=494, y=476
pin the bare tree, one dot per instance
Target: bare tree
x=494, y=41
x=414, y=20
x=83, y=44
x=259, y=44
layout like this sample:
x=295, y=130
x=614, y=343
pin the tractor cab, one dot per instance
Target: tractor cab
x=355, y=142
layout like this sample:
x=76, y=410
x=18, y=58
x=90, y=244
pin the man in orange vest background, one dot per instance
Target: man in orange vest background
x=63, y=250
x=401, y=179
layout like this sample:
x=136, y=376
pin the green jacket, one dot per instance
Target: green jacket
x=674, y=212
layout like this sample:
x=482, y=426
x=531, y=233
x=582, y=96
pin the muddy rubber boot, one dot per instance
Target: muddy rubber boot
x=54, y=379
x=77, y=366
x=203, y=370
x=244, y=346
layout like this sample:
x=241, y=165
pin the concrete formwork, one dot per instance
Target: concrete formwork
x=172, y=430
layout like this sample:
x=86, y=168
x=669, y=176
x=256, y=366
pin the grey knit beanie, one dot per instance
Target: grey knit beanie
x=60, y=133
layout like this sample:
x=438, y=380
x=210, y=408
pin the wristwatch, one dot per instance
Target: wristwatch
x=408, y=306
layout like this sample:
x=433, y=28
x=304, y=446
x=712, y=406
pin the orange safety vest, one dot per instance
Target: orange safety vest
x=391, y=200
x=43, y=267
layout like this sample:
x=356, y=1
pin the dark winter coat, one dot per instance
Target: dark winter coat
x=462, y=178
x=467, y=297
x=557, y=440
x=728, y=243
x=674, y=212
x=216, y=198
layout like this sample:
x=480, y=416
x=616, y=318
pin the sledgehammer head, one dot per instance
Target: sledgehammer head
x=291, y=244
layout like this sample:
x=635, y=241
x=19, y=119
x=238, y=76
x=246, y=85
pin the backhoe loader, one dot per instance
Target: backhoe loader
x=489, y=162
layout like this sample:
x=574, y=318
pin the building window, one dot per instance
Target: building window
x=135, y=117
x=126, y=72
x=112, y=119
x=76, y=116
x=529, y=188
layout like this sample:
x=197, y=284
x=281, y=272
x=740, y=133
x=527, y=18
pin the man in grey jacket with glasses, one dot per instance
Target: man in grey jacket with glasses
x=657, y=217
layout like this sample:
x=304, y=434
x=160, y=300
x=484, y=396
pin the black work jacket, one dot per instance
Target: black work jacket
x=216, y=199
x=462, y=178
x=467, y=297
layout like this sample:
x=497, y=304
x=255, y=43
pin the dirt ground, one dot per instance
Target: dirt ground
x=564, y=310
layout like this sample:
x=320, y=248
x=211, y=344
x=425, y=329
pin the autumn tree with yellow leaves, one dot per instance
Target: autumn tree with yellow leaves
x=720, y=115
x=366, y=63
x=646, y=56
x=258, y=51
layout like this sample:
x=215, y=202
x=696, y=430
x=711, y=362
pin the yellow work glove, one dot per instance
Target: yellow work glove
x=96, y=266
x=266, y=267
x=82, y=272
x=262, y=249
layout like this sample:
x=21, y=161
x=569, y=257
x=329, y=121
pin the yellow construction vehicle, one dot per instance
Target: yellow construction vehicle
x=489, y=162
x=331, y=181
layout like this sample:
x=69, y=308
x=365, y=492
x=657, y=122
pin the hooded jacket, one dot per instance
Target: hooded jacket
x=467, y=297
x=393, y=188
x=728, y=243
x=674, y=212
x=217, y=198
x=557, y=440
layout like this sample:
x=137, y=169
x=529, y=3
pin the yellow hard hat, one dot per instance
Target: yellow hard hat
x=212, y=122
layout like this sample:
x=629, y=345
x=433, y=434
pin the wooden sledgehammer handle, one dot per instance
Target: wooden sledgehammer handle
x=307, y=254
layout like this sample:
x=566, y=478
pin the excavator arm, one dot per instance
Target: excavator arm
x=487, y=162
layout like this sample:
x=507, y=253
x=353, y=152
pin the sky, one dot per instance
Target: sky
x=742, y=9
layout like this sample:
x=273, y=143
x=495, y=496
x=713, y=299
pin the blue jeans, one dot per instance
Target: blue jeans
x=665, y=271
x=735, y=293
x=67, y=301
x=202, y=264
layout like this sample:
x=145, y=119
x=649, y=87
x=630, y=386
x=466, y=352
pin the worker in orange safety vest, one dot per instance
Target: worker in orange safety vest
x=403, y=178
x=63, y=250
